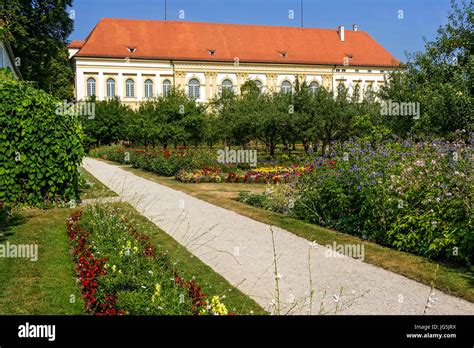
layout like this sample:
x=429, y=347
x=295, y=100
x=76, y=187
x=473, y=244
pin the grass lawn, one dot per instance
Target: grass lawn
x=449, y=278
x=48, y=285
x=96, y=189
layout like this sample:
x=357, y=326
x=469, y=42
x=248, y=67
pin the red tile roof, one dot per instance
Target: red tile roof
x=76, y=44
x=153, y=39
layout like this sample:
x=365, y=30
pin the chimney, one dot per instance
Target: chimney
x=341, y=33
x=355, y=27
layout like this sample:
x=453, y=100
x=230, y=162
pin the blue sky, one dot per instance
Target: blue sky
x=421, y=18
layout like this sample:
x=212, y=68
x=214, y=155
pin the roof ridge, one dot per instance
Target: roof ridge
x=226, y=24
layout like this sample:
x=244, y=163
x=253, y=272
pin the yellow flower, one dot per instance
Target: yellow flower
x=157, y=293
x=135, y=250
x=114, y=268
x=217, y=307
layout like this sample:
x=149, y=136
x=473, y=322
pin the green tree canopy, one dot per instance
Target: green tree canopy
x=37, y=32
x=440, y=79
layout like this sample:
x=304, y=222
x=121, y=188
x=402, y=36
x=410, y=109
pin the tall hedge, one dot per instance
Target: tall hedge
x=40, y=148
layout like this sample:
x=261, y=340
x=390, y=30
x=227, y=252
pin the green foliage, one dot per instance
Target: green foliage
x=40, y=148
x=166, y=162
x=108, y=124
x=174, y=118
x=414, y=196
x=440, y=79
x=37, y=31
x=277, y=198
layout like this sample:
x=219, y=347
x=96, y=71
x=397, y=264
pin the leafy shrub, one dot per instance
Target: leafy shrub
x=40, y=148
x=277, y=198
x=5, y=213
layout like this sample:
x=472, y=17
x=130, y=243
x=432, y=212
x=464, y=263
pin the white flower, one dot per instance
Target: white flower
x=432, y=300
x=420, y=163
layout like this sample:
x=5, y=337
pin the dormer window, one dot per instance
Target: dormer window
x=282, y=54
x=211, y=52
x=131, y=49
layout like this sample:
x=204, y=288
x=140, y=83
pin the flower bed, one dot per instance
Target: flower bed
x=120, y=272
x=264, y=175
x=410, y=195
x=166, y=162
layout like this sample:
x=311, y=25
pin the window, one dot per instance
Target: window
x=129, y=88
x=313, y=86
x=369, y=71
x=148, y=88
x=340, y=88
x=166, y=87
x=193, y=88
x=90, y=86
x=227, y=85
x=286, y=87
x=110, y=87
x=368, y=91
x=357, y=92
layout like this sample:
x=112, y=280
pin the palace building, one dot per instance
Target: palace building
x=140, y=59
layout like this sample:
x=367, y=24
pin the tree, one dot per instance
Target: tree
x=37, y=32
x=268, y=119
x=302, y=122
x=108, y=124
x=439, y=79
x=173, y=118
x=223, y=108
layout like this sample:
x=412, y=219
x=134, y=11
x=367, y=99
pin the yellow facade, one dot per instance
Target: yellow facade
x=210, y=76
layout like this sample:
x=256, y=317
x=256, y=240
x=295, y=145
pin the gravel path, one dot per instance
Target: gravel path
x=241, y=250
